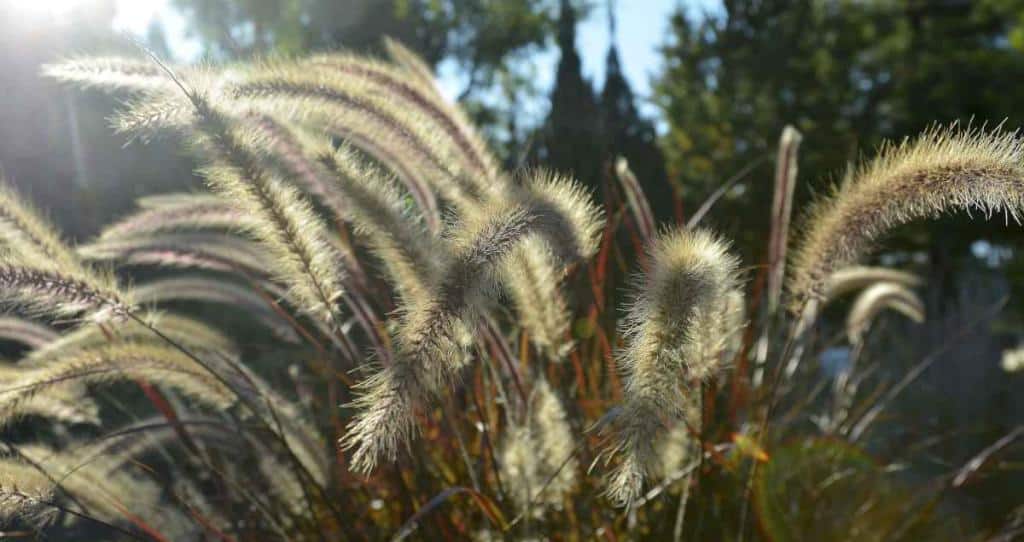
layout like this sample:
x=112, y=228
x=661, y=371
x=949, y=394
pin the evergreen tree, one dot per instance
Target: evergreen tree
x=629, y=134
x=572, y=138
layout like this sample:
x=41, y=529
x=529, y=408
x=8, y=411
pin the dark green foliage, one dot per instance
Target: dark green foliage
x=846, y=74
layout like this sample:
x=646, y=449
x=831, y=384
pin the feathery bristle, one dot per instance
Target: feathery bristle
x=678, y=447
x=940, y=171
x=68, y=405
x=189, y=332
x=29, y=236
x=570, y=221
x=521, y=469
x=178, y=199
x=42, y=274
x=290, y=154
x=385, y=419
x=568, y=227
x=64, y=407
x=386, y=80
x=409, y=61
x=345, y=105
x=429, y=344
x=733, y=323
x=533, y=279
x=480, y=244
x=152, y=115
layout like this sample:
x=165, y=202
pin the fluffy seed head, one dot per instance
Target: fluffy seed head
x=876, y=298
x=215, y=252
x=54, y=293
x=385, y=419
x=412, y=63
x=383, y=218
x=535, y=451
x=287, y=227
x=112, y=73
x=430, y=342
x=115, y=362
x=371, y=77
x=673, y=336
x=41, y=273
x=533, y=280
x=855, y=277
x=940, y=171
x=567, y=227
x=181, y=212
x=572, y=223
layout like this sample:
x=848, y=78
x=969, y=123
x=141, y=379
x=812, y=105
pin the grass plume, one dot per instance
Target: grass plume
x=876, y=298
x=287, y=226
x=56, y=294
x=534, y=452
x=154, y=363
x=216, y=252
x=41, y=273
x=183, y=212
x=110, y=73
x=667, y=330
x=942, y=170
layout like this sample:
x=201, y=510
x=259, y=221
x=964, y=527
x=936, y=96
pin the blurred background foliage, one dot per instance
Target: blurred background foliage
x=846, y=73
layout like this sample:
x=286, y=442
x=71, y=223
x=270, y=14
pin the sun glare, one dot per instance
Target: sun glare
x=43, y=8
x=129, y=15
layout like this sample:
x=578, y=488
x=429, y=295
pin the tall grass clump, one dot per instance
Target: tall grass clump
x=364, y=328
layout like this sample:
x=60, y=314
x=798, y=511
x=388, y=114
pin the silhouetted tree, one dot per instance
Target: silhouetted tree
x=629, y=134
x=572, y=137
